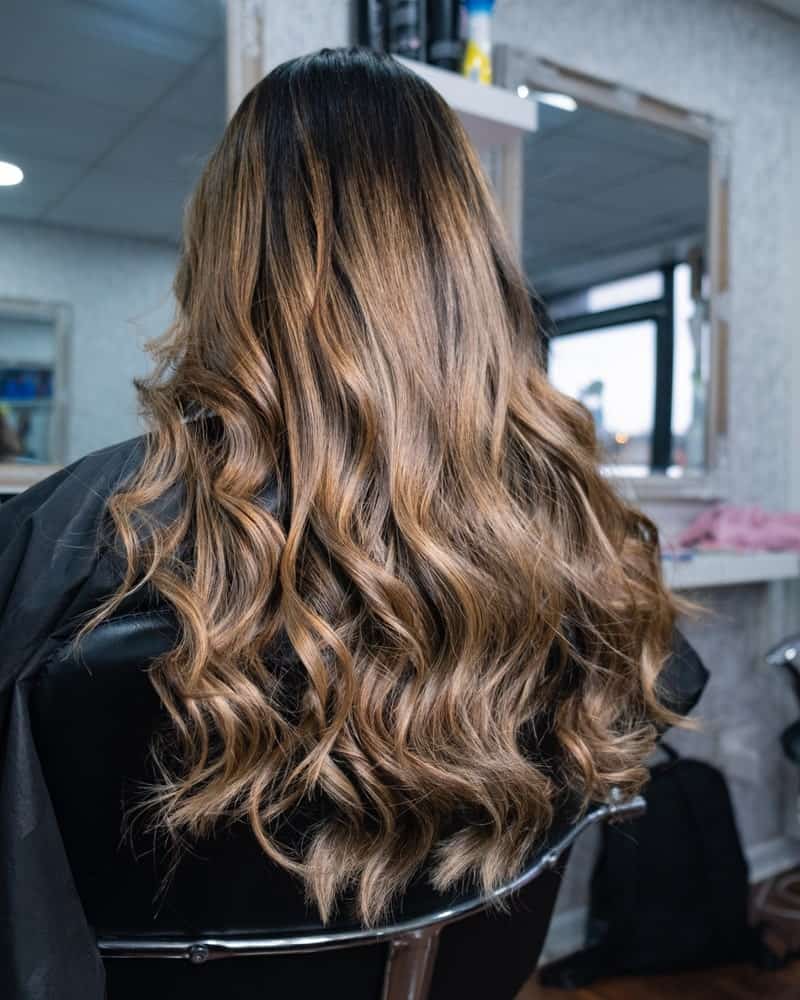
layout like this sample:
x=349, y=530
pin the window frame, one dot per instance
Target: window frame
x=661, y=312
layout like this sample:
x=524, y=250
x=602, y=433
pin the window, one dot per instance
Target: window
x=645, y=287
x=612, y=372
x=633, y=352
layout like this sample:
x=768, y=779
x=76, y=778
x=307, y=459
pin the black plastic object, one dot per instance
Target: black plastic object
x=406, y=24
x=445, y=47
x=371, y=24
x=790, y=741
x=669, y=891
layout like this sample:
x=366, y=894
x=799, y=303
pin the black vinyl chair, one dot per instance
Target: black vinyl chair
x=226, y=921
x=413, y=943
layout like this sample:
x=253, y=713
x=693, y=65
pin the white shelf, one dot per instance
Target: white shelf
x=730, y=569
x=491, y=115
x=22, y=403
x=18, y=476
x=700, y=570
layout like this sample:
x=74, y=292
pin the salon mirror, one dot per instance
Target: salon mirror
x=616, y=241
x=33, y=382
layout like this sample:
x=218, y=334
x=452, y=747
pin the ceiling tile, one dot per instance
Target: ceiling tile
x=90, y=51
x=637, y=135
x=161, y=149
x=200, y=96
x=600, y=187
x=45, y=180
x=56, y=126
x=201, y=18
x=564, y=166
x=670, y=187
x=131, y=90
x=127, y=205
x=791, y=8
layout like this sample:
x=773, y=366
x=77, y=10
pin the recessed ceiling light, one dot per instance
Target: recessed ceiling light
x=10, y=174
x=522, y=91
x=561, y=101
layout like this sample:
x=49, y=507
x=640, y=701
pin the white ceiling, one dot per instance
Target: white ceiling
x=110, y=107
x=789, y=7
x=607, y=193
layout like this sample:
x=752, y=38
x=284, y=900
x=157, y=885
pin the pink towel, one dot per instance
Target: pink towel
x=748, y=528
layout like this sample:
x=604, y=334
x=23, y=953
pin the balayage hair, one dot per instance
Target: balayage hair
x=478, y=621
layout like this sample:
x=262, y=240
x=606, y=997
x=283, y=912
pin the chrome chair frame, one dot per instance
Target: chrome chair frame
x=413, y=943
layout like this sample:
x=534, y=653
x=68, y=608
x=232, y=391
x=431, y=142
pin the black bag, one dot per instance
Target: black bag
x=670, y=890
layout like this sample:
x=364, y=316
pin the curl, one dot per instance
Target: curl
x=476, y=620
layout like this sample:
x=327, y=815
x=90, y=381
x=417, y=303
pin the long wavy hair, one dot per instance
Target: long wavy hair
x=390, y=489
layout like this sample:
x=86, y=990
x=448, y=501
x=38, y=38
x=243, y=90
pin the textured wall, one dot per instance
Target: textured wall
x=119, y=291
x=739, y=63
x=293, y=27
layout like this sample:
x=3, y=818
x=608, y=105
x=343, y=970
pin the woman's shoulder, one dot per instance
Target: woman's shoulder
x=115, y=460
x=52, y=568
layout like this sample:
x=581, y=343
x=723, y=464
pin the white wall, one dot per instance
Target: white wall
x=292, y=27
x=119, y=292
x=791, y=279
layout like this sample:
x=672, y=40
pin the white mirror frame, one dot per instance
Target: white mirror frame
x=15, y=477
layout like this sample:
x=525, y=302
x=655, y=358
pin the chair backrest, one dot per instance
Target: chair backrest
x=413, y=944
x=94, y=715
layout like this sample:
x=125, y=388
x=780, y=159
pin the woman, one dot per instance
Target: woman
x=413, y=620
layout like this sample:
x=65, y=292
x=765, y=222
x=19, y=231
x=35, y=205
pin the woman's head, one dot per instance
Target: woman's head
x=341, y=234
x=477, y=621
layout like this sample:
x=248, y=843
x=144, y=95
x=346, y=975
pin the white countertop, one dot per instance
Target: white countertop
x=18, y=476
x=698, y=570
x=729, y=569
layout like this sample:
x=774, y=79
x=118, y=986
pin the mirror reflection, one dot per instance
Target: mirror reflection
x=614, y=239
x=32, y=370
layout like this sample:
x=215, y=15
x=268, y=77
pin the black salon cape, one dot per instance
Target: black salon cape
x=52, y=572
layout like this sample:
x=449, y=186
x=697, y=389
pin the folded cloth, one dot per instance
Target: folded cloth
x=746, y=528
